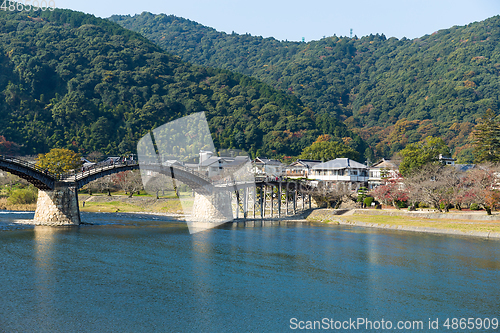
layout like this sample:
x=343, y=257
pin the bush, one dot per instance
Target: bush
x=22, y=196
x=422, y=205
x=443, y=206
x=474, y=206
x=401, y=204
x=368, y=201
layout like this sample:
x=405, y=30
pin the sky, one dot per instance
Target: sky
x=312, y=20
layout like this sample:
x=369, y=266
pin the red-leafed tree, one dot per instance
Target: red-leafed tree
x=128, y=181
x=8, y=147
x=390, y=193
x=482, y=186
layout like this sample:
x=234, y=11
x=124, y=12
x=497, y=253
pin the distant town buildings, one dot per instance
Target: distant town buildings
x=300, y=168
x=267, y=167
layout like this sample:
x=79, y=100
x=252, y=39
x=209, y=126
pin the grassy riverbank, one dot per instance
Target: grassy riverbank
x=6, y=205
x=411, y=222
x=118, y=203
x=448, y=224
x=124, y=204
x=464, y=223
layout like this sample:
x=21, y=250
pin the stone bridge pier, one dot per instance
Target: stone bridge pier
x=58, y=207
x=210, y=210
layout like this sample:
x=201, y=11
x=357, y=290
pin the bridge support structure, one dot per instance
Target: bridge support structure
x=58, y=207
x=212, y=207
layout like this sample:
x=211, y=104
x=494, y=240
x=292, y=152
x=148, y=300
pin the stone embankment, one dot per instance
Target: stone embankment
x=343, y=216
x=471, y=216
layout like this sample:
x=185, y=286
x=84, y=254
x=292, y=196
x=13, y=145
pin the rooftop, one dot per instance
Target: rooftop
x=339, y=163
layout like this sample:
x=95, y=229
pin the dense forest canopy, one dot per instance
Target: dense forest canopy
x=390, y=91
x=71, y=80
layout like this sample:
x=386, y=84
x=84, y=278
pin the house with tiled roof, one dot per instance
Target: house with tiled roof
x=382, y=171
x=263, y=166
x=341, y=170
x=300, y=168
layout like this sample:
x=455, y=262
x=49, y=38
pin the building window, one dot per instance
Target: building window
x=354, y=172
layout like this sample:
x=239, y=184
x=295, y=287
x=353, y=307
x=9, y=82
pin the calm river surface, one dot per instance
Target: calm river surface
x=142, y=273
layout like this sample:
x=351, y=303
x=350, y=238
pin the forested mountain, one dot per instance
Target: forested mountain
x=72, y=80
x=391, y=91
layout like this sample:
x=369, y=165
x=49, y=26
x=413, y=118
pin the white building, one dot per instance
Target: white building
x=266, y=167
x=211, y=165
x=382, y=171
x=300, y=168
x=341, y=170
x=446, y=160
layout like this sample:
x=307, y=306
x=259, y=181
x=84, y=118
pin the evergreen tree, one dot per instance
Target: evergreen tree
x=486, y=138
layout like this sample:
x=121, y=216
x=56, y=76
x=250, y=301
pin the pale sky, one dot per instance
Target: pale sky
x=312, y=19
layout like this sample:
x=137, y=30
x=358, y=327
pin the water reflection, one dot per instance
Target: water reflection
x=133, y=273
x=202, y=277
x=44, y=255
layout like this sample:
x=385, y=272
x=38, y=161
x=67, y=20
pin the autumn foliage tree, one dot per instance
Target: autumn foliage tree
x=390, y=193
x=129, y=181
x=59, y=160
x=481, y=186
x=8, y=147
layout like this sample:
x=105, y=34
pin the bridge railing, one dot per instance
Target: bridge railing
x=85, y=171
x=152, y=165
x=27, y=164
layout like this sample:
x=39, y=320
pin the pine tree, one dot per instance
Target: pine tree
x=486, y=138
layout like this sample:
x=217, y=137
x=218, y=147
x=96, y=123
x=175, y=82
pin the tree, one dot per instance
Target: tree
x=486, y=138
x=159, y=183
x=328, y=150
x=129, y=181
x=103, y=184
x=331, y=195
x=95, y=156
x=59, y=160
x=7, y=147
x=433, y=184
x=390, y=193
x=481, y=184
x=10, y=179
x=416, y=155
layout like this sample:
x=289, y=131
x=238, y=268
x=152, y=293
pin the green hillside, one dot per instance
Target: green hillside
x=391, y=91
x=71, y=80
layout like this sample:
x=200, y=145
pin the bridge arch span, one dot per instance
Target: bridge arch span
x=83, y=178
x=30, y=172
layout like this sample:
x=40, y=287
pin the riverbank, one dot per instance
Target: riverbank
x=476, y=224
x=462, y=224
x=135, y=204
x=5, y=205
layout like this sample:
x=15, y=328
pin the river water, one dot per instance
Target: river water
x=143, y=273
